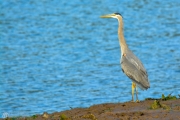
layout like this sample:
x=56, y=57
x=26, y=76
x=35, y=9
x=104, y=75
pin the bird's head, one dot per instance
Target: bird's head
x=114, y=15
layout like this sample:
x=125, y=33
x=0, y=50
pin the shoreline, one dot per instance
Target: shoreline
x=148, y=109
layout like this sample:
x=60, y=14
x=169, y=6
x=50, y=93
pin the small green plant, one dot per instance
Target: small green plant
x=64, y=117
x=169, y=97
x=156, y=104
x=34, y=116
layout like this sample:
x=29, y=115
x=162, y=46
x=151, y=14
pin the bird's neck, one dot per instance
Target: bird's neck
x=121, y=36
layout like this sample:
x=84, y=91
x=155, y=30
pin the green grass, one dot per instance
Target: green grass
x=169, y=97
x=64, y=117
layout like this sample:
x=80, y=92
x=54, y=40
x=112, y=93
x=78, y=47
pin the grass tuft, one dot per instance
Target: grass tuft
x=169, y=97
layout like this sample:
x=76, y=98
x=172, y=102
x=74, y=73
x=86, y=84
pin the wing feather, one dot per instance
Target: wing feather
x=134, y=69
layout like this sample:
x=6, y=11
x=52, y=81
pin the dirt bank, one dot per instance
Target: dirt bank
x=144, y=110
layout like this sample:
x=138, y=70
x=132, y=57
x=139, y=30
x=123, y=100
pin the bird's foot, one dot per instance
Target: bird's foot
x=132, y=100
x=137, y=101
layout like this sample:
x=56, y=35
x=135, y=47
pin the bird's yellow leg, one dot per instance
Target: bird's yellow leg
x=136, y=94
x=133, y=87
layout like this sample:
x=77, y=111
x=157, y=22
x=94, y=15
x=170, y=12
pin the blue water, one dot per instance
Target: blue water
x=57, y=55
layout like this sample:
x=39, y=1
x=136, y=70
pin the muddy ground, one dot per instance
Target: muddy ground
x=144, y=110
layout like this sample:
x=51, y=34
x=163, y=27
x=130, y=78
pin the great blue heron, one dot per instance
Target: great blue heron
x=130, y=64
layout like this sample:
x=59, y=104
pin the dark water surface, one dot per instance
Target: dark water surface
x=56, y=55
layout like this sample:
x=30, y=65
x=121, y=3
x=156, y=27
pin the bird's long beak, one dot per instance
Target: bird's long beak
x=108, y=16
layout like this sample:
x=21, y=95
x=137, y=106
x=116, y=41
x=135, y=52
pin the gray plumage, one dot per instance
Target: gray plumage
x=134, y=69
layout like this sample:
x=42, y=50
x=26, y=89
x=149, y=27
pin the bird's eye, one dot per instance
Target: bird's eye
x=117, y=14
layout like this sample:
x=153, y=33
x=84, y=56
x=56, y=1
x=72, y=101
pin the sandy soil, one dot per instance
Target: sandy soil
x=144, y=110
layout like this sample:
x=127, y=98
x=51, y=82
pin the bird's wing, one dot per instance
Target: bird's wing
x=134, y=69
